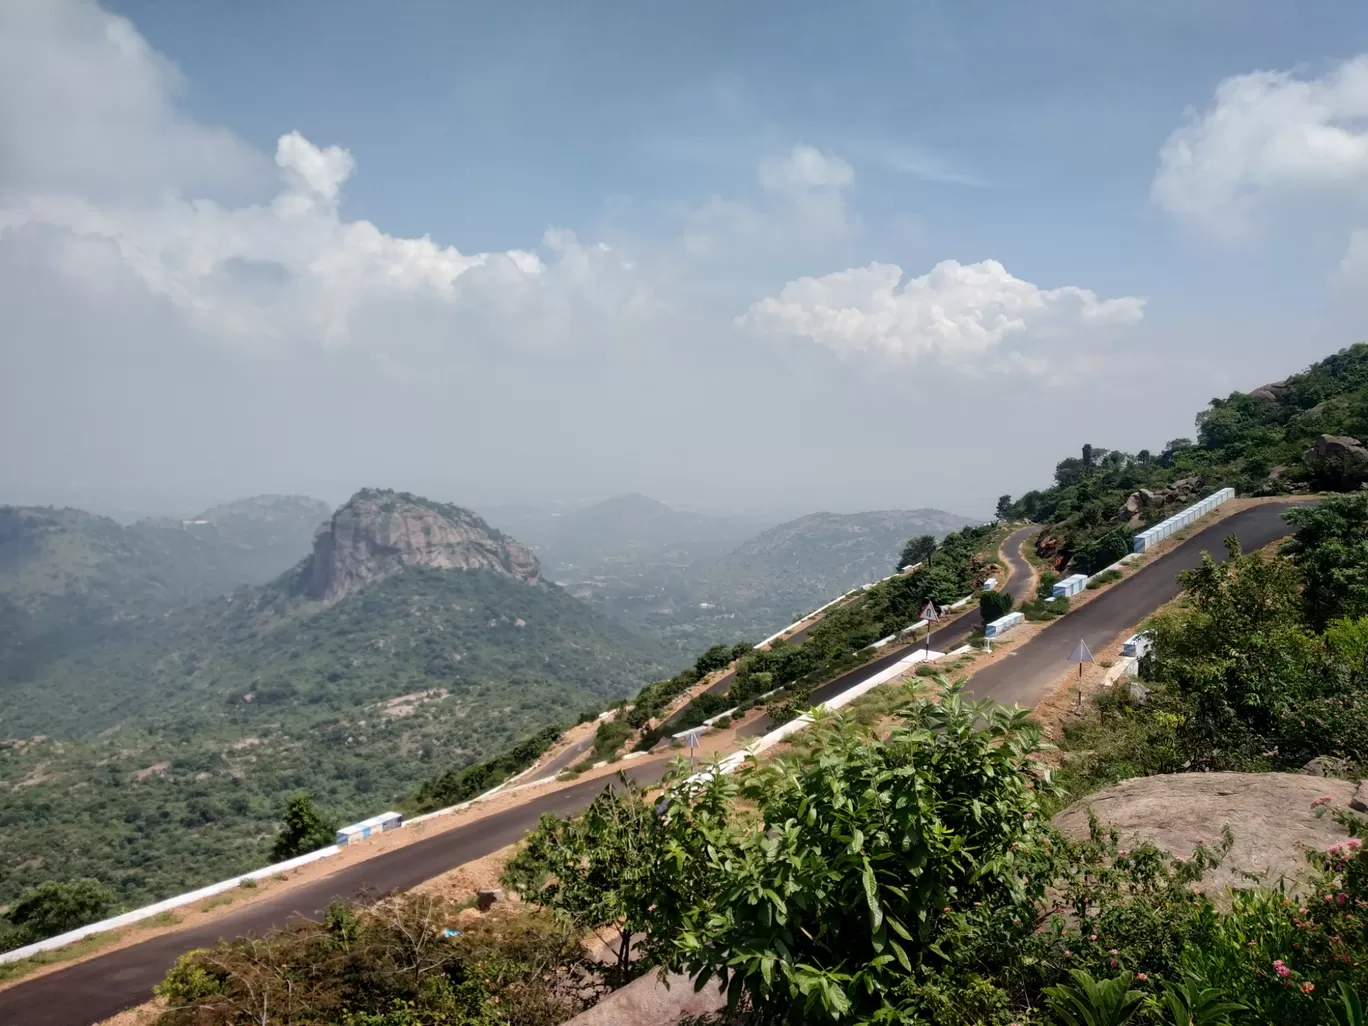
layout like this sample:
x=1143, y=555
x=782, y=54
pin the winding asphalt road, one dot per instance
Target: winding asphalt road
x=1028, y=672
x=101, y=987
x=943, y=638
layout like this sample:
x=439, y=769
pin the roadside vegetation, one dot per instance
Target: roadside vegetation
x=1291, y=437
x=816, y=891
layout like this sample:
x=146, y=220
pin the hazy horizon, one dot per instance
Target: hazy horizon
x=765, y=259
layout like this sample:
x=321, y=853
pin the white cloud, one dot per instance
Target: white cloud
x=803, y=168
x=967, y=316
x=1268, y=138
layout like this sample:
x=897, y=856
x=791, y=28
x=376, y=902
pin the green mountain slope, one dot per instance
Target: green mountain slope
x=432, y=643
x=1302, y=434
x=69, y=579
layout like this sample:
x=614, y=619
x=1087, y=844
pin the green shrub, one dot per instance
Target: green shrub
x=993, y=604
x=304, y=829
x=55, y=907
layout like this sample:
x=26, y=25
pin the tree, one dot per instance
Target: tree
x=55, y=907
x=1004, y=507
x=1088, y=463
x=993, y=604
x=917, y=550
x=1331, y=549
x=714, y=658
x=304, y=830
x=599, y=870
x=1240, y=658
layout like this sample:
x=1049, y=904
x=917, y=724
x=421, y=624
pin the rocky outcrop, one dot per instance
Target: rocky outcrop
x=379, y=533
x=1338, y=461
x=1271, y=392
x=1270, y=816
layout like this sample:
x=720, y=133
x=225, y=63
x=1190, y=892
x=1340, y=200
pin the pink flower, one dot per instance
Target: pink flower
x=1112, y=951
x=1068, y=953
x=1308, y=987
x=1093, y=937
x=1280, y=967
x=1114, y=963
x=1142, y=977
x=1341, y=897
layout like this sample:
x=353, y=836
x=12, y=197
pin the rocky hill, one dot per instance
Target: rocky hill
x=415, y=638
x=378, y=534
x=1304, y=433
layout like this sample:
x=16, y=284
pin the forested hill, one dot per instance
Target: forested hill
x=415, y=638
x=68, y=579
x=1302, y=434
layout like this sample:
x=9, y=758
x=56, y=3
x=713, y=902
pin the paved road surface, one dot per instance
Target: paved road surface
x=567, y=758
x=103, y=986
x=96, y=990
x=952, y=635
x=1018, y=569
x=1026, y=675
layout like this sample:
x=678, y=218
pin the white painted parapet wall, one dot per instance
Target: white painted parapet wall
x=139, y=914
x=1146, y=539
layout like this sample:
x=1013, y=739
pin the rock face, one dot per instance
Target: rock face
x=379, y=533
x=1340, y=460
x=1271, y=392
x=1269, y=814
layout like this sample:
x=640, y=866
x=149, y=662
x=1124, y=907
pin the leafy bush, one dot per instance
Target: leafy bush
x=993, y=604
x=55, y=907
x=304, y=829
x=387, y=963
x=1102, y=553
x=456, y=786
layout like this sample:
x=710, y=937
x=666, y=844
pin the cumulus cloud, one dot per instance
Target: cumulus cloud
x=967, y=316
x=1268, y=137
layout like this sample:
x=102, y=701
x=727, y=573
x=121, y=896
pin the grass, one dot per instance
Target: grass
x=1104, y=578
x=78, y=949
x=218, y=901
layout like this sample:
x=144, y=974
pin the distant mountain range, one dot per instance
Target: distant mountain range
x=414, y=637
x=693, y=579
x=164, y=686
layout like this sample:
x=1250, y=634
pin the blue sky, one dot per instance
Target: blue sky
x=683, y=211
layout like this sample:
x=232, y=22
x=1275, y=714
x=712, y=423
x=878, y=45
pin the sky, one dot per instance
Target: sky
x=763, y=257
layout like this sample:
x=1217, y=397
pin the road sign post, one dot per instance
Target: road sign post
x=930, y=615
x=1080, y=655
x=692, y=742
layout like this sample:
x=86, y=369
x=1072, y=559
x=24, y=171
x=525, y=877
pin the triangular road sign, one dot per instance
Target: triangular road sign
x=691, y=739
x=1080, y=654
x=929, y=612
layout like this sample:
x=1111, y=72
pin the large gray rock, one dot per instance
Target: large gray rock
x=1269, y=815
x=1340, y=457
x=379, y=533
x=1271, y=392
x=650, y=1001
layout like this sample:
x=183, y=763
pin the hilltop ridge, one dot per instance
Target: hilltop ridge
x=378, y=533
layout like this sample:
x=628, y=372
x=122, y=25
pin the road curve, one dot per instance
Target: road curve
x=1028, y=672
x=565, y=760
x=101, y=987
x=1018, y=568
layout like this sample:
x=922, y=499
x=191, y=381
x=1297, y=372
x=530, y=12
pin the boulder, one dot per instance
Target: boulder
x=1186, y=485
x=1134, y=503
x=1325, y=766
x=1339, y=459
x=1270, y=817
x=1359, y=803
x=1147, y=497
x=1271, y=392
x=653, y=1000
